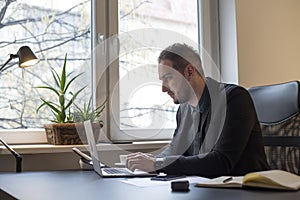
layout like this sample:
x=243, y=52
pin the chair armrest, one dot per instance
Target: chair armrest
x=292, y=141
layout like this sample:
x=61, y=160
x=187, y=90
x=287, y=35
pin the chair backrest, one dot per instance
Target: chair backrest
x=277, y=108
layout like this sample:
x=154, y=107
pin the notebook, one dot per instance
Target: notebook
x=271, y=179
x=108, y=171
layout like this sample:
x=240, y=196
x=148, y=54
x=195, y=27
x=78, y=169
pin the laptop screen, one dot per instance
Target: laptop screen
x=93, y=148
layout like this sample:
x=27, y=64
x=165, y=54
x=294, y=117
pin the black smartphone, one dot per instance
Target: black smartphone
x=167, y=177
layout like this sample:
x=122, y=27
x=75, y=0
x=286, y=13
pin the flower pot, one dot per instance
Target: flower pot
x=68, y=133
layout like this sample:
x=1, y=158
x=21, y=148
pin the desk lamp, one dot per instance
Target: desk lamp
x=26, y=59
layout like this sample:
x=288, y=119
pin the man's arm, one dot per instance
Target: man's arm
x=239, y=122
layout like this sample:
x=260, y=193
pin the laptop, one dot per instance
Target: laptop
x=108, y=171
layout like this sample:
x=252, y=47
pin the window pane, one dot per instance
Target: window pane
x=51, y=28
x=142, y=103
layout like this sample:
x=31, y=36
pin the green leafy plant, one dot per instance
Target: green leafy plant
x=61, y=107
x=88, y=112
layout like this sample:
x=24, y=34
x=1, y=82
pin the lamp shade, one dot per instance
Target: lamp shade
x=26, y=57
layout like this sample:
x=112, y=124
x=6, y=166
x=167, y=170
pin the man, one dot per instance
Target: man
x=217, y=131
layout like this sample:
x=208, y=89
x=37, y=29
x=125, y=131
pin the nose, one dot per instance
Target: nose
x=164, y=88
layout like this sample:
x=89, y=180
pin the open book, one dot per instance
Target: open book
x=272, y=179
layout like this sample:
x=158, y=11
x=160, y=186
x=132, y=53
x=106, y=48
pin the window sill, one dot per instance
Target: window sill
x=48, y=148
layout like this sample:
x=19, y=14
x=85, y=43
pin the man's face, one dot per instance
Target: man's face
x=174, y=82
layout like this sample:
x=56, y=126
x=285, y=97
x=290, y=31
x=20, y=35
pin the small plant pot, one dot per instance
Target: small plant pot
x=68, y=133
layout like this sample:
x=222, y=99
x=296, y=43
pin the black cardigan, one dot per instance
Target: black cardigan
x=230, y=125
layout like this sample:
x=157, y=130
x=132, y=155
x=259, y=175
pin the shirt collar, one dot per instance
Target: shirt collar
x=203, y=100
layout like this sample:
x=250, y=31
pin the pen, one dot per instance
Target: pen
x=227, y=180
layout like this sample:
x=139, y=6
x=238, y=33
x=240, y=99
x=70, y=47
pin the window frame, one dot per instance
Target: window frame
x=38, y=135
x=104, y=23
x=115, y=134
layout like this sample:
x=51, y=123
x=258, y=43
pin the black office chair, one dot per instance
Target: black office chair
x=277, y=107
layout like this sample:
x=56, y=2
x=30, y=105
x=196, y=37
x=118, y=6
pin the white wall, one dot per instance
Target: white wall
x=268, y=40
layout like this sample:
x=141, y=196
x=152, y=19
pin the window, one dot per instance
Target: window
x=138, y=30
x=138, y=108
x=51, y=29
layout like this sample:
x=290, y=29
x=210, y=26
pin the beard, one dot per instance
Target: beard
x=182, y=97
x=176, y=101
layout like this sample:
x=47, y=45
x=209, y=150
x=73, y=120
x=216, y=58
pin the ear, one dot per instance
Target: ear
x=189, y=71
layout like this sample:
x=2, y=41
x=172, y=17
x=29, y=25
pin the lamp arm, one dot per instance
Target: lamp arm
x=15, y=154
x=11, y=56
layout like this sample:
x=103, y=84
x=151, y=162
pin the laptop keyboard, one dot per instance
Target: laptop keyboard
x=116, y=171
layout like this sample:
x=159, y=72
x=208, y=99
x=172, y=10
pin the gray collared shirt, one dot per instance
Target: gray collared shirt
x=196, y=121
x=189, y=135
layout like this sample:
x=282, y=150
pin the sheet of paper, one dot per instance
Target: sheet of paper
x=147, y=182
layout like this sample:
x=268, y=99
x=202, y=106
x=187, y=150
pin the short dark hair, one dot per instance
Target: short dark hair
x=181, y=55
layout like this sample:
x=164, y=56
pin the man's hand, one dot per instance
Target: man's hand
x=140, y=161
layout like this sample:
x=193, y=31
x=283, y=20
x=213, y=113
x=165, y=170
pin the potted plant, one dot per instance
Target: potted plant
x=62, y=130
x=88, y=112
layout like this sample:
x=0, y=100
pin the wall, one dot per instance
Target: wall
x=51, y=161
x=63, y=158
x=41, y=162
x=268, y=37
